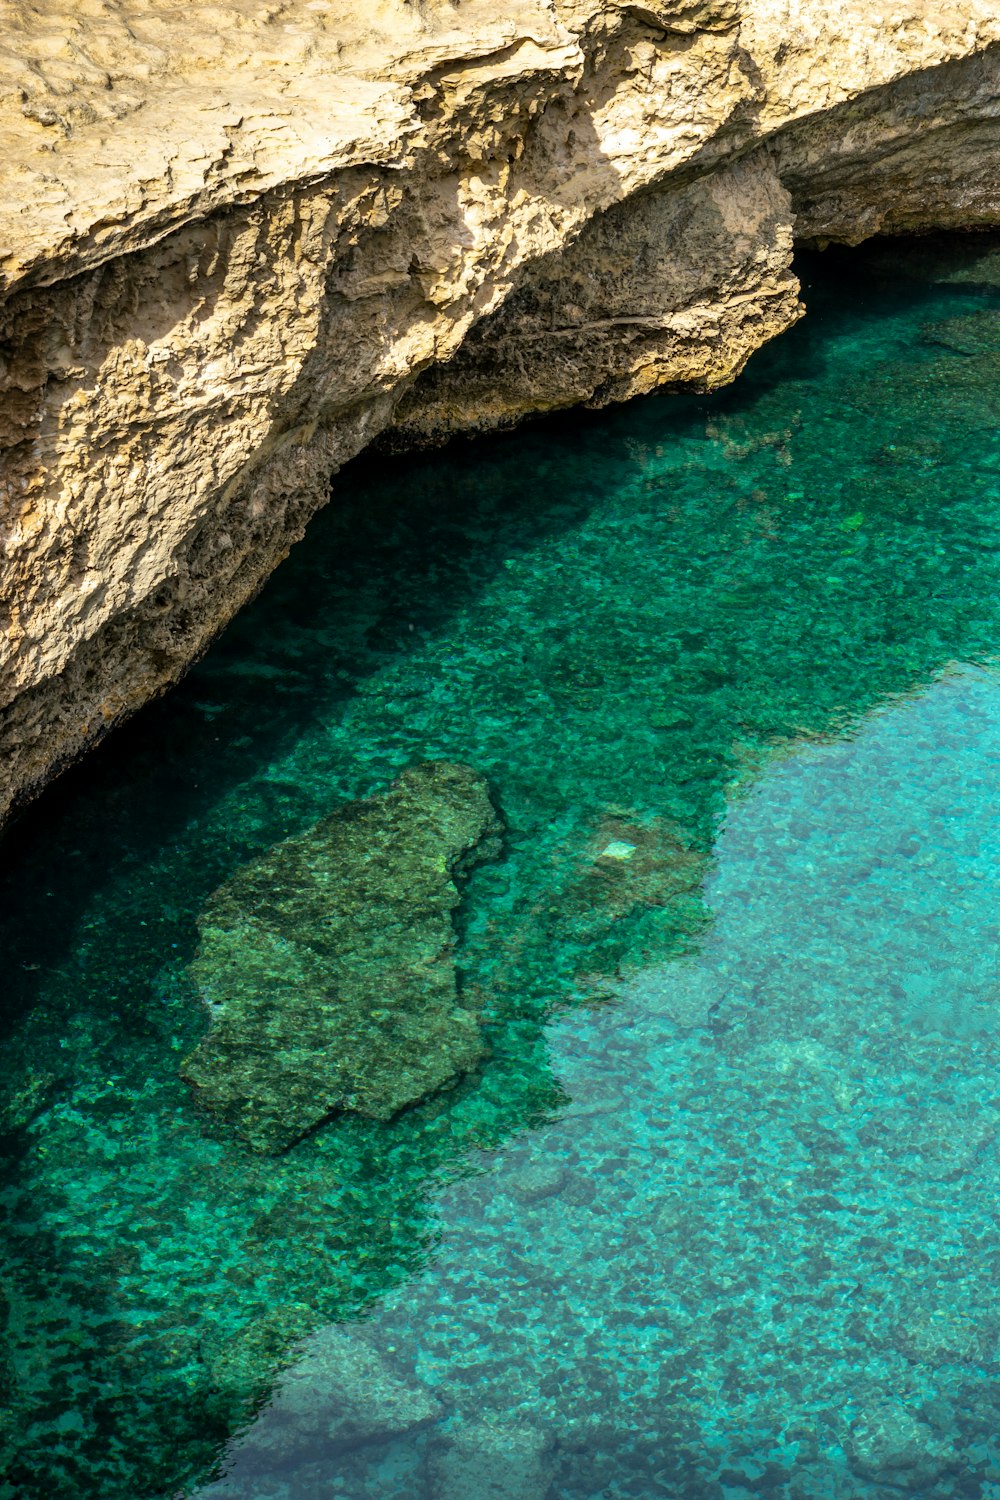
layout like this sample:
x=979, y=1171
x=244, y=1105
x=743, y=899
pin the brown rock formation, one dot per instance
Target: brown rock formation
x=240, y=241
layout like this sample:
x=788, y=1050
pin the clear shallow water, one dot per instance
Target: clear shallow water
x=717, y=1217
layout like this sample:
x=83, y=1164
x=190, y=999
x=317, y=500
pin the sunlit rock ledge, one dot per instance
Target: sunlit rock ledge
x=240, y=242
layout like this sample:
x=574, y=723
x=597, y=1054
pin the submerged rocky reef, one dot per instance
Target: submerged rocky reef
x=327, y=963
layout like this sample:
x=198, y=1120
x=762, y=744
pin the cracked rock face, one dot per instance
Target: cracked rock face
x=674, y=289
x=327, y=963
x=241, y=242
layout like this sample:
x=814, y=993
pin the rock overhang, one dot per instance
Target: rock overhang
x=239, y=244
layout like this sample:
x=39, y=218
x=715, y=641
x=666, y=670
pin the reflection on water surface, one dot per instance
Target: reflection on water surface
x=716, y=1217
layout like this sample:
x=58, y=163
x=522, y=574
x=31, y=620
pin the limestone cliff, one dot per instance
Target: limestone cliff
x=241, y=241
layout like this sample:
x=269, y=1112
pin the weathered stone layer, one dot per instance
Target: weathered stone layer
x=240, y=242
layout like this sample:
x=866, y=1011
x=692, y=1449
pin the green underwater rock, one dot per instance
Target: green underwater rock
x=327, y=963
x=974, y=333
x=244, y=1369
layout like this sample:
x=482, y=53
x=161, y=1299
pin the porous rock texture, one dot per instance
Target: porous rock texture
x=242, y=240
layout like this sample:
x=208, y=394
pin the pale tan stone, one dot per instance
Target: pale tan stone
x=241, y=240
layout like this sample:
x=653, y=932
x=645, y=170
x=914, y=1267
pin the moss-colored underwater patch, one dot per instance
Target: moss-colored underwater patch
x=327, y=963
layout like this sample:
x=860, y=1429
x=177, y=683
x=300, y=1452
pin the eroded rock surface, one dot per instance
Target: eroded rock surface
x=674, y=288
x=240, y=242
x=327, y=963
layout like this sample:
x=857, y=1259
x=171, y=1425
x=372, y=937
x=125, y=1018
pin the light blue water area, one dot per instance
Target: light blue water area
x=767, y=1220
x=716, y=1217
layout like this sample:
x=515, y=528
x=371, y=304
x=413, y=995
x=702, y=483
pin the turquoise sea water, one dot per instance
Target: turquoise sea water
x=718, y=1217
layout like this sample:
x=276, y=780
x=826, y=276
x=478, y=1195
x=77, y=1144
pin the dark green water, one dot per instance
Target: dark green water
x=719, y=1217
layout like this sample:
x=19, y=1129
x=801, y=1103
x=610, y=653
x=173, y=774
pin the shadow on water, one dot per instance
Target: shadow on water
x=617, y=617
x=439, y=527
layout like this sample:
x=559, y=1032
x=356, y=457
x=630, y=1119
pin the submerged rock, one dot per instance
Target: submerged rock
x=328, y=1387
x=327, y=963
x=973, y=333
x=630, y=867
x=890, y=1443
x=339, y=1396
x=349, y=1393
x=492, y=1461
x=944, y=1329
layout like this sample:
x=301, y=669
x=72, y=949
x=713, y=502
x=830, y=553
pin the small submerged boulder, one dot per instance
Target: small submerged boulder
x=492, y=1460
x=888, y=1442
x=351, y=1394
x=327, y=962
x=331, y=1389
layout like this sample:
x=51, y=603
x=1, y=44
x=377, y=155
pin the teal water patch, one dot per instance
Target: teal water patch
x=712, y=1219
x=758, y=1248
